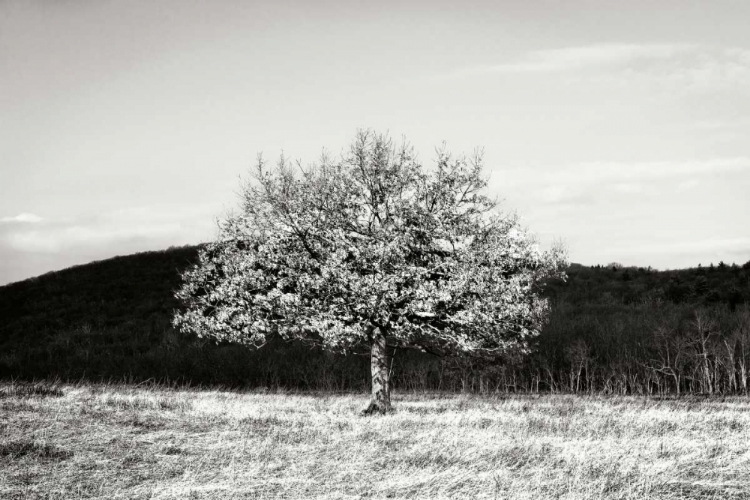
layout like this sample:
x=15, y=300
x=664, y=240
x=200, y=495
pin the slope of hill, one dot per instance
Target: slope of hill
x=112, y=319
x=133, y=290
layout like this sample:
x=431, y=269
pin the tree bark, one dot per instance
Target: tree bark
x=380, y=401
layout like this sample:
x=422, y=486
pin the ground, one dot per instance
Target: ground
x=118, y=441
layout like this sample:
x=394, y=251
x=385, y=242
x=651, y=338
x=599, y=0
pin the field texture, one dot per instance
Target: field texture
x=100, y=441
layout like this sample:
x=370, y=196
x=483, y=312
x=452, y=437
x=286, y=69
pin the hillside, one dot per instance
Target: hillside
x=133, y=291
x=111, y=319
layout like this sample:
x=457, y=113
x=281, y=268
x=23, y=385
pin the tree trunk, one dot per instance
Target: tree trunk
x=381, y=395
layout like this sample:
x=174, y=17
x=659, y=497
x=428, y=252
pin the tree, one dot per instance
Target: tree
x=703, y=329
x=374, y=250
x=672, y=348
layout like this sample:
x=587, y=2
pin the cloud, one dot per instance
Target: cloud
x=708, y=250
x=158, y=226
x=22, y=218
x=619, y=171
x=687, y=185
x=691, y=67
x=565, y=196
x=589, y=187
x=570, y=58
x=706, y=69
x=624, y=176
x=56, y=239
x=29, y=249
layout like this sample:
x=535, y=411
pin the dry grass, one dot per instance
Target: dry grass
x=126, y=442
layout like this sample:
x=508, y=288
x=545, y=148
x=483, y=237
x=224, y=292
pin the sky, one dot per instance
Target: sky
x=619, y=128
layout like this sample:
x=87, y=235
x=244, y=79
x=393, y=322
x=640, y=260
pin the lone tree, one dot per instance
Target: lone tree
x=371, y=249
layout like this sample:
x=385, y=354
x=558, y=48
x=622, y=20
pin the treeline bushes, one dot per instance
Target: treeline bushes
x=644, y=349
x=613, y=329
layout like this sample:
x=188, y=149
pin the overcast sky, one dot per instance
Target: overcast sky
x=622, y=128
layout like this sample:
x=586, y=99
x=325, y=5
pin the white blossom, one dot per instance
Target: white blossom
x=324, y=253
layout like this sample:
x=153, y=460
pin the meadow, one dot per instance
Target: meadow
x=125, y=441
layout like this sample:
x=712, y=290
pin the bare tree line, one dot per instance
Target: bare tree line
x=678, y=350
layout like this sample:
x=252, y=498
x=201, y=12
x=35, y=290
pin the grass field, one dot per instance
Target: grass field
x=113, y=441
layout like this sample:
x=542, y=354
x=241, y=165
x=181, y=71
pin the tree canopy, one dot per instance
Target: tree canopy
x=367, y=249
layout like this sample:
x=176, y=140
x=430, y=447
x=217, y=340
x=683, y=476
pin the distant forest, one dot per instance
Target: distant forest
x=613, y=329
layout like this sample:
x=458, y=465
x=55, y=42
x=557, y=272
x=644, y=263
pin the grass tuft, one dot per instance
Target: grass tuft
x=28, y=390
x=145, y=403
x=33, y=449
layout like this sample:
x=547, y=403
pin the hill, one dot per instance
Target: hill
x=613, y=328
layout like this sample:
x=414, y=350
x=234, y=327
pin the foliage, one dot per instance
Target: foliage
x=371, y=242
